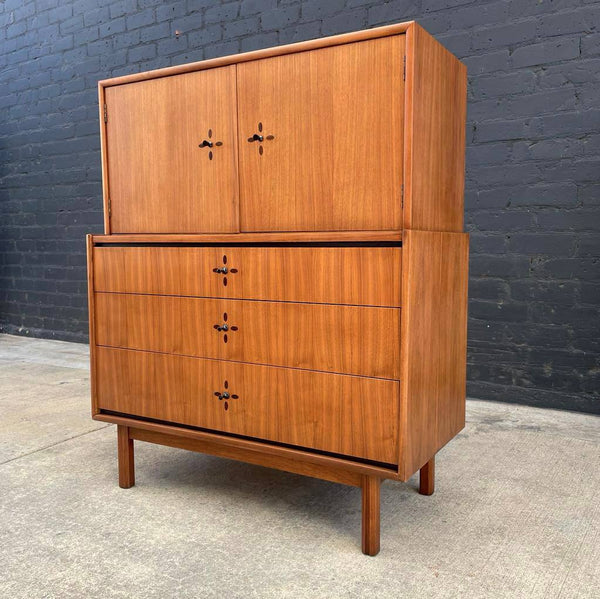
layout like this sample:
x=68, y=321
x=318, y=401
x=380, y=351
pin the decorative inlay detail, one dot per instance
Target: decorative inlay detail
x=223, y=270
x=208, y=143
x=225, y=327
x=225, y=395
x=260, y=138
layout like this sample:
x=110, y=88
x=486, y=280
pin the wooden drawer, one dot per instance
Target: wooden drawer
x=347, y=415
x=346, y=339
x=337, y=275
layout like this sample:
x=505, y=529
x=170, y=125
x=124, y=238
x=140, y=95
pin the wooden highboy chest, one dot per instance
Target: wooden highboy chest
x=283, y=274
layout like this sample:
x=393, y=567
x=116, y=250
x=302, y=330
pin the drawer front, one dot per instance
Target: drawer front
x=345, y=339
x=346, y=415
x=367, y=276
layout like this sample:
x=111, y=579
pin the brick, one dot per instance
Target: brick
x=538, y=243
x=189, y=23
x=96, y=16
x=279, y=17
x=254, y=7
x=208, y=35
x=140, y=19
x=575, y=21
x=569, y=220
x=504, y=35
x=504, y=311
x=300, y=32
x=388, y=12
x=488, y=63
x=348, y=21
x=241, y=27
x=120, y=8
x=257, y=42
x=155, y=32
x=547, y=149
x=561, y=293
x=112, y=27
x=222, y=13
x=489, y=289
x=499, y=266
x=172, y=45
x=168, y=11
x=142, y=53
x=508, y=129
x=545, y=52
x=316, y=9
x=222, y=49
x=590, y=44
x=503, y=84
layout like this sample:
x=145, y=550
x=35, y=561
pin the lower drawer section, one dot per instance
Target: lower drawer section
x=348, y=415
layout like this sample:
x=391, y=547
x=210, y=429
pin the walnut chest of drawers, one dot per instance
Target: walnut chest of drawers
x=283, y=274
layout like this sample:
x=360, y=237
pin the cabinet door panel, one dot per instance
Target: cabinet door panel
x=159, y=179
x=335, y=160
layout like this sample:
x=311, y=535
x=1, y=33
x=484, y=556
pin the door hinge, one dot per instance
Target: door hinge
x=105, y=114
x=403, y=73
x=402, y=196
x=109, y=208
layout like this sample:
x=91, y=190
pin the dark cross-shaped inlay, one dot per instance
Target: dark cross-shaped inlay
x=260, y=138
x=208, y=143
x=223, y=328
x=223, y=270
x=225, y=395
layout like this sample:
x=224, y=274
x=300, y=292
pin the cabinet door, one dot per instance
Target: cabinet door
x=162, y=178
x=331, y=122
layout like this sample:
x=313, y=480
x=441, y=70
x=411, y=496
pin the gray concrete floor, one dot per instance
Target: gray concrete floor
x=515, y=513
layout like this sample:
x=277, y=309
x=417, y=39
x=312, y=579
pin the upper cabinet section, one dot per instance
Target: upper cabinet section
x=358, y=132
x=320, y=136
x=172, y=154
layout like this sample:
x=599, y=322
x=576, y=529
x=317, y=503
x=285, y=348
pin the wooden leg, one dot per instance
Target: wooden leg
x=427, y=478
x=126, y=465
x=371, y=486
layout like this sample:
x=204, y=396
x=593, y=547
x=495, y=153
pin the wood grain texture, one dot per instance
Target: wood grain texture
x=125, y=458
x=303, y=467
x=104, y=159
x=273, y=237
x=92, y=319
x=371, y=508
x=346, y=415
x=336, y=160
x=434, y=153
x=251, y=446
x=334, y=40
x=159, y=179
x=348, y=275
x=345, y=339
x=433, y=344
x=427, y=478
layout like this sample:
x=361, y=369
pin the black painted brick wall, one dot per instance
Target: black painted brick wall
x=533, y=159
